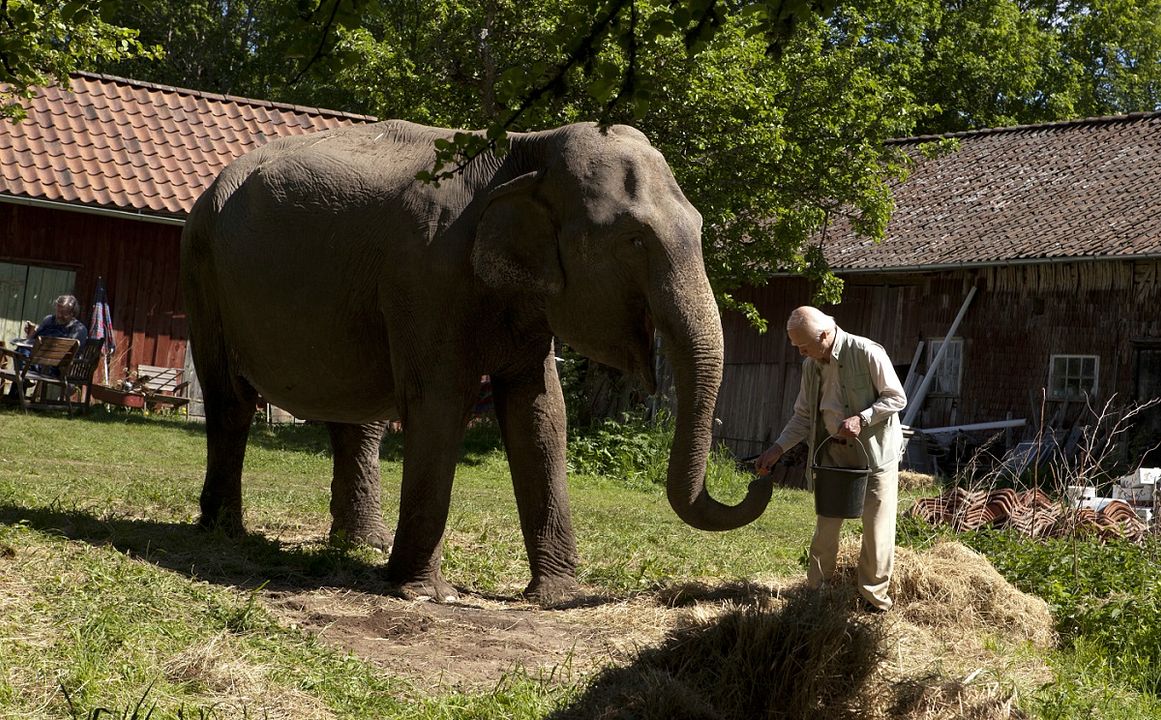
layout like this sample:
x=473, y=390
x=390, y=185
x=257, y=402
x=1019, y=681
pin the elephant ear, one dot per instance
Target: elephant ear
x=516, y=246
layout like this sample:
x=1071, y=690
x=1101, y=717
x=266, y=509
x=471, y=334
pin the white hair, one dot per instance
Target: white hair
x=811, y=320
x=69, y=302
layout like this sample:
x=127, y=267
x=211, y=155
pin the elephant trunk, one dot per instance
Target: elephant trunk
x=693, y=338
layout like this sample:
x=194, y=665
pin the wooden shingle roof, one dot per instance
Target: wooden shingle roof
x=1071, y=190
x=111, y=143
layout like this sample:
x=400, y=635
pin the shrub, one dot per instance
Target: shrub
x=1105, y=595
x=634, y=450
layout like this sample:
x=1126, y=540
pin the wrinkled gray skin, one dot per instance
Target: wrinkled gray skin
x=320, y=274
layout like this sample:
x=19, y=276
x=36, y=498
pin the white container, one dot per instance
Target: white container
x=1142, y=476
x=1098, y=503
x=1078, y=494
x=1142, y=494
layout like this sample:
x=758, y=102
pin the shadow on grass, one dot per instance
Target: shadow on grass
x=809, y=659
x=248, y=562
x=480, y=440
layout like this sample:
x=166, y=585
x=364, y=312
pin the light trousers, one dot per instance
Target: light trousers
x=877, y=556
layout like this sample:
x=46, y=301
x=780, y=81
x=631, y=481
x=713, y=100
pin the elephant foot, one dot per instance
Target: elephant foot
x=375, y=536
x=227, y=523
x=435, y=588
x=552, y=590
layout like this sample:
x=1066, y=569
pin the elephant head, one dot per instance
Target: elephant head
x=599, y=231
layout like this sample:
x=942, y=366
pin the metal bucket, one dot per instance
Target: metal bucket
x=839, y=491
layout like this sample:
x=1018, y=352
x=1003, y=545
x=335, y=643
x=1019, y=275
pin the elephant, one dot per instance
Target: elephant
x=321, y=275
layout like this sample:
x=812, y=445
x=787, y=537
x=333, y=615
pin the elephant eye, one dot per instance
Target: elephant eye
x=637, y=242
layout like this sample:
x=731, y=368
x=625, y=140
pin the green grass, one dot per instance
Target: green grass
x=108, y=593
x=113, y=605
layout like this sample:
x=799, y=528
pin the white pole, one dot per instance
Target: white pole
x=913, y=404
x=912, y=372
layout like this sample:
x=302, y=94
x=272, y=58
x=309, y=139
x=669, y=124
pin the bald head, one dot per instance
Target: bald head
x=811, y=332
x=809, y=320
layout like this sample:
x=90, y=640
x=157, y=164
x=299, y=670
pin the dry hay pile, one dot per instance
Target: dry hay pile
x=1030, y=513
x=807, y=655
x=951, y=587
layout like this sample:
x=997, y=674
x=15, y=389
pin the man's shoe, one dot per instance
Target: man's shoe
x=868, y=607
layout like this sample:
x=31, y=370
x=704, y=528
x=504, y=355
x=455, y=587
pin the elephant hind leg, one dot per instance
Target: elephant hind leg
x=229, y=405
x=356, y=511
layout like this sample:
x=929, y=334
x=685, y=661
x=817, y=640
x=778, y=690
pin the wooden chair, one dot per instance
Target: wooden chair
x=162, y=386
x=83, y=367
x=47, y=352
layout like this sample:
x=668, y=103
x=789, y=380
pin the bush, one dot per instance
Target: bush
x=634, y=450
x=1103, y=596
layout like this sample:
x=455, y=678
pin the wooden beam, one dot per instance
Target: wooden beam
x=913, y=405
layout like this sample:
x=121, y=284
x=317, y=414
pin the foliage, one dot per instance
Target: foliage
x=1104, y=596
x=1108, y=595
x=772, y=114
x=632, y=449
x=1114, y=48
x=45, y=39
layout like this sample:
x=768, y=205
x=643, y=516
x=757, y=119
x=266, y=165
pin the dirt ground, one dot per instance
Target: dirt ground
x=472, y=643
x=955, y=617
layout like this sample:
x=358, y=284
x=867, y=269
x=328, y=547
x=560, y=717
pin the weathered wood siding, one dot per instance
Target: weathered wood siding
x=1020, y=317
x=138, y=261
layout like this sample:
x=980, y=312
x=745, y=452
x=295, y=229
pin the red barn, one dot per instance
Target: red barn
x=97, y=182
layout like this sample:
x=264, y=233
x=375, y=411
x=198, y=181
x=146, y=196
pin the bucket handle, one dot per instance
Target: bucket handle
x=866, y=457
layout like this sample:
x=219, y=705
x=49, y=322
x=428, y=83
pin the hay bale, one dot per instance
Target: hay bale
x=935, y=698
x=809, y=659
x=911, y=480
x=952, y=586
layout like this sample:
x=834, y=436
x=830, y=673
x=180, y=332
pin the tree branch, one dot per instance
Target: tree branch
x=321, y=45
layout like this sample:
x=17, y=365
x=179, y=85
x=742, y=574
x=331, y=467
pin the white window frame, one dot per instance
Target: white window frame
x=1067, y=372
x=949, y=375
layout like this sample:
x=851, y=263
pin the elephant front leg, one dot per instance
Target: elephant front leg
x=432, y=436
x=356, y=511
x=530, y=409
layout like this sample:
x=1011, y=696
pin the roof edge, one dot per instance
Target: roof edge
x=237, y=99
x=939, y=267
x=65, y=206
x=1099, y=120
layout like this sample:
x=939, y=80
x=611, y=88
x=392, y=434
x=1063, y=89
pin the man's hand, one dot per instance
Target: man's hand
x=851, y=427
x=29, y=328
x=767, y=459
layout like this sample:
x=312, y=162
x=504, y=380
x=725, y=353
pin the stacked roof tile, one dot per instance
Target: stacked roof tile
x=1030, y=513
x=1070, y=190
x=120, y=144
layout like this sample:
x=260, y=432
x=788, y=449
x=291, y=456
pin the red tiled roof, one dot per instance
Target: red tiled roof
x=120, y=144
x=1083, y=189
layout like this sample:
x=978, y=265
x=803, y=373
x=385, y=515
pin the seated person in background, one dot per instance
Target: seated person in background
x=62, y=323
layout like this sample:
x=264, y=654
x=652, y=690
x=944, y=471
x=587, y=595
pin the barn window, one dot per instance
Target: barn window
x=27, y=292
x=950, y=370
x=1073, y=376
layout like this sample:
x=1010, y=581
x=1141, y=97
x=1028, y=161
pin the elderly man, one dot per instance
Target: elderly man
x=849, y=390
x=62, y=323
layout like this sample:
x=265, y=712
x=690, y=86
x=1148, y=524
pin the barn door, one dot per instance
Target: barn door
x=27, y=292
x=1147, y=386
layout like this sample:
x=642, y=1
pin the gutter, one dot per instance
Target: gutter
x=939, y=267
x=107, y=212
